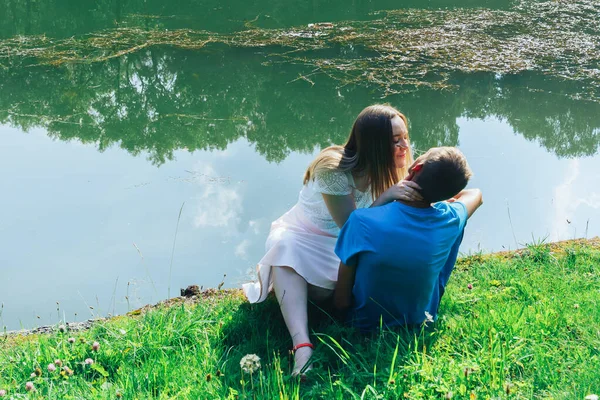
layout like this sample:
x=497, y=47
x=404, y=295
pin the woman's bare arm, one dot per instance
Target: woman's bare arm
x=403, y=190
x=340, y=207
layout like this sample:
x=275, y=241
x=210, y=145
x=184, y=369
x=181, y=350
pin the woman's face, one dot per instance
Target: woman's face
x=400, y=140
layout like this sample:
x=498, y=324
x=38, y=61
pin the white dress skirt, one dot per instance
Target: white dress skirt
x=304, y=237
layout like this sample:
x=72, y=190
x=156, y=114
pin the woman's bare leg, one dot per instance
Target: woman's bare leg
x=291, y=291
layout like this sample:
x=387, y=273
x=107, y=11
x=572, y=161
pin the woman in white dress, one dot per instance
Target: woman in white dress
x=300, y=262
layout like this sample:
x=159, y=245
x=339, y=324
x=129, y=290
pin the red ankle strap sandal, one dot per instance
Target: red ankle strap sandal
x=301, y=345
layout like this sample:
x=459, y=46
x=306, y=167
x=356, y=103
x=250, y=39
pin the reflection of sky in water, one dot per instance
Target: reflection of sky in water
x=548, y=198
x=77, y=225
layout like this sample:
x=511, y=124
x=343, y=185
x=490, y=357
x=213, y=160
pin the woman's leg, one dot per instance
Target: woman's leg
x=291, y=292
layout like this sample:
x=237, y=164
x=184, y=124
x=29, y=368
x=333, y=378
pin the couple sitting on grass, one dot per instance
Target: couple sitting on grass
x=365, y=232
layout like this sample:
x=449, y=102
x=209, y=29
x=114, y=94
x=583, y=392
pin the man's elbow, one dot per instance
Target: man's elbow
x=474, y=197
x=479, y=197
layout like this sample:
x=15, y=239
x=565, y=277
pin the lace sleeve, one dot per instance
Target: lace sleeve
x=332, y=182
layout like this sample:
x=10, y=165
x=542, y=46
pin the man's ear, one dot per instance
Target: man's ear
x=413, y=170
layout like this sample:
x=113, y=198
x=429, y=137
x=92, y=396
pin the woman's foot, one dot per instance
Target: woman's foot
x=302, y=359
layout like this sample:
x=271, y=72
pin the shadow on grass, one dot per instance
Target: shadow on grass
x=341, y=353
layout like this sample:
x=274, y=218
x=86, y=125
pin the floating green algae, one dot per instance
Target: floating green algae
x=400, y=48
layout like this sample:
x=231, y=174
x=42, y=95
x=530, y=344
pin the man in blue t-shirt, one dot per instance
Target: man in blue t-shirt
x=396, y=259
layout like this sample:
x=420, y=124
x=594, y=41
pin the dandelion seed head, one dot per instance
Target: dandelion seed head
x=428, y=317
x=250, y=363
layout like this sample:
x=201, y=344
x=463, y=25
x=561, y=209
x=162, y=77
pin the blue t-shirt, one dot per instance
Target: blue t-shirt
x=403, y=257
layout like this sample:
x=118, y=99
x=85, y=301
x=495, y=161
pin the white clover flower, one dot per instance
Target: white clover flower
x=250, y=363
x=428, y=317
x=591, y=397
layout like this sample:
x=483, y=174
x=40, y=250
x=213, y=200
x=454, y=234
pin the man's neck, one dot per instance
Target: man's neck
x=415, y=204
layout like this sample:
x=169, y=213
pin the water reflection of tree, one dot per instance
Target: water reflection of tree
x=566, y=127
x=162, y=100
x=539, y=108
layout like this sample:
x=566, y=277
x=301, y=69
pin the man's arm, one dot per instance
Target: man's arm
x=471, y=198
x=342, y=297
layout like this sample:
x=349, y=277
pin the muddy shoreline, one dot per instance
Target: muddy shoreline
x=190, y=295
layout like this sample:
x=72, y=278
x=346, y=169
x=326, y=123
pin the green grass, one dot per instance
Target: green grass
x=528, y=329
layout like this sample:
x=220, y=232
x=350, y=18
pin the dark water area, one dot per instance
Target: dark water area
x=114, y=118
x=65, y=18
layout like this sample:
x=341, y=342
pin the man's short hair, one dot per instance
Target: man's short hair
x=444, y=174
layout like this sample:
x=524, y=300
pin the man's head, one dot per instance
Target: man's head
x=442, y=173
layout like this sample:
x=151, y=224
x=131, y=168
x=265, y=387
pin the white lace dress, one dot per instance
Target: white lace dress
x=304, y=237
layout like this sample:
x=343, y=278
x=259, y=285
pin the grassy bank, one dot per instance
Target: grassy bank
x=513, y=325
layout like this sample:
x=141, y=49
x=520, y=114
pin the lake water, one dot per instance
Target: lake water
x=146, y=147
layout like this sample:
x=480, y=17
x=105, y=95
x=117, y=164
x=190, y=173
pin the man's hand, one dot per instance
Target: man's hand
x=342, y=297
